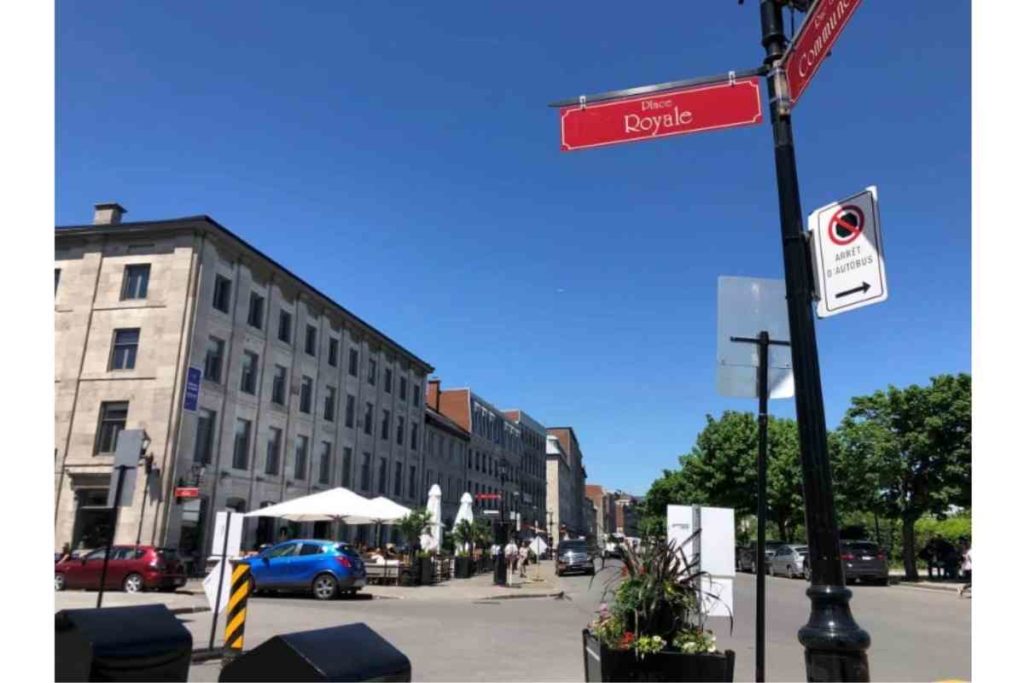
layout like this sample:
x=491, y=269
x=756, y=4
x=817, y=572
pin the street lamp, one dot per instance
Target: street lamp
x=500, y=570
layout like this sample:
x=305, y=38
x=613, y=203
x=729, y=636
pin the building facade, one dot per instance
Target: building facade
x=444, y=462
x=559, y=487
x=533, y=470
x=575, y=520
x=599, y=498
x=297, y=393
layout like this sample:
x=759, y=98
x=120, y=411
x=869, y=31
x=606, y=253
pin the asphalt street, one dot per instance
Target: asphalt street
x=917, y=634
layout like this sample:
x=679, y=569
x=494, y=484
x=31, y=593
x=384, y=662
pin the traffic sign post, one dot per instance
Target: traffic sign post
x=847, y=252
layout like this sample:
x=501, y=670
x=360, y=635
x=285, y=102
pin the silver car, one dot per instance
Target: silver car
x=790, y=561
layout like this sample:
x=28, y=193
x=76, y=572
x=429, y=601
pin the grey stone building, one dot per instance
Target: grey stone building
x=444, y=462
x=297, y=393
x=533, y=470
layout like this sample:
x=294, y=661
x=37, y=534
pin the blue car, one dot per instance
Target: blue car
x=326, y=568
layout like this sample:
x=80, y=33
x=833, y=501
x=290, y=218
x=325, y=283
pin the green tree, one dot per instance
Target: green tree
x=412, y=525
x=721, y=470
x=911, y=449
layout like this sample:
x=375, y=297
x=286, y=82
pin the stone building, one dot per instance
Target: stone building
x=444, y=462
x=533, y=471
x=597, y=496
x=574, y=515
x=297, y=393
x=559, y=487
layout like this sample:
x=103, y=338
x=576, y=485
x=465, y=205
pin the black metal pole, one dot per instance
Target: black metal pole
x=113, y=532
x=762, y=496
x=220, y=579
x=835, y=647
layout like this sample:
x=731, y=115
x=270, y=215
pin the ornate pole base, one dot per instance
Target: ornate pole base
x=835, y=646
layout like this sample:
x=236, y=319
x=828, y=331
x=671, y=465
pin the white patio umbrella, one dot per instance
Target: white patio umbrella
x=465, y=513
x=433, y=541
x=334, y=504
x=379, y=510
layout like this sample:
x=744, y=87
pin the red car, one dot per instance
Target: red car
x=131, y=568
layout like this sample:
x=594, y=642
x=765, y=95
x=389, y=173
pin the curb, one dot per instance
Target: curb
x=559, y=594
x=206, y=654
x=189, y=610
x=948, y=588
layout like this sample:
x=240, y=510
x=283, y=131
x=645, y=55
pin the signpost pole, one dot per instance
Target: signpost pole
x=762, y=496
x=835, y=647
x=113, y=532
x=220, y=581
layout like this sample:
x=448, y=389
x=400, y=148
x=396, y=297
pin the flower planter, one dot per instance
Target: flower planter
x=603, y=664
x=426, y=570
x=463, y=567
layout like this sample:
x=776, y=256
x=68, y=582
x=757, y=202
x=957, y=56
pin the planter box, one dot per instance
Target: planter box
x=426, y=570
x=602, y=664
x=463, y=567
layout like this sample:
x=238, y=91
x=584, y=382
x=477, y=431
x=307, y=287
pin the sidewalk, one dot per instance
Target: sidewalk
x=897, y=577
x=540, y=582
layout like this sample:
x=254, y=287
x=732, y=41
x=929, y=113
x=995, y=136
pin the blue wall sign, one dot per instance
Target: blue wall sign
x=195, y=376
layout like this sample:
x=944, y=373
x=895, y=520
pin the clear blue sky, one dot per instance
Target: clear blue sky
x=402, y=158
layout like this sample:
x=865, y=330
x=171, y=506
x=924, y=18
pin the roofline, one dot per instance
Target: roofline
x=446, y=422
x=190, y=222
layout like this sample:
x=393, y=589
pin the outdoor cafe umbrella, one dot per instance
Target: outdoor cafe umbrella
x=433, y=542
x=465, y=513
x=334, y=504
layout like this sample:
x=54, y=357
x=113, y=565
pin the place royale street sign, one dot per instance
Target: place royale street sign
x=835, y=646
x=847, y=245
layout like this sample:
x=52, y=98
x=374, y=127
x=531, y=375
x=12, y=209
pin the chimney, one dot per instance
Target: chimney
x=108, y=214
x=434, y=393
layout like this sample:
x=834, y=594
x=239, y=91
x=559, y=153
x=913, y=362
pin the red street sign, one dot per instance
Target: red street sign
x=658, y=115
x=846, y=224
x=824, y=22
x=186, y=491
x=488, y=496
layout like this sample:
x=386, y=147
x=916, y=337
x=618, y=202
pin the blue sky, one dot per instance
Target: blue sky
x=402, y=158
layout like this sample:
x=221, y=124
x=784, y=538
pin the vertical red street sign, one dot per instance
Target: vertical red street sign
x=726, y=104
x=822, y=26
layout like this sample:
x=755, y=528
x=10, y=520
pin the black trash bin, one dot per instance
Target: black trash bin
x=341, y=653
x=142, y=643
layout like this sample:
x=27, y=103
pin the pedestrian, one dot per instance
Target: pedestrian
x=950, y=560
x=929, y=555
x=511, y=556
x=524, y=558
x=966, y=545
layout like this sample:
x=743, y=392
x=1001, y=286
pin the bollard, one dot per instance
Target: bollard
x=234, y=623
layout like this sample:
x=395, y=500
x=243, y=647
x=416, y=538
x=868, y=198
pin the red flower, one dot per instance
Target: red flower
x=627, y=639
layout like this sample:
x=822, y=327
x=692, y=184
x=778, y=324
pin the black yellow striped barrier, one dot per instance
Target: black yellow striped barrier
x=234, y=630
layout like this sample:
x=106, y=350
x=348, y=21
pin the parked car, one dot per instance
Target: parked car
x=324, y=568
x=745, y=556
x=788, y=560
x=574, y=556
x=131, y=568
x=863, y=561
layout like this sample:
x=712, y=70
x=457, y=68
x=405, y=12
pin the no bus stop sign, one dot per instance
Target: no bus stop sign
x=848, y=257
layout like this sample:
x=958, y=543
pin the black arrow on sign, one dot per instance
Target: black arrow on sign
x=863, y=288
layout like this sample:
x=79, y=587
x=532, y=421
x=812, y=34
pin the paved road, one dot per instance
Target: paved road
x=917, y=634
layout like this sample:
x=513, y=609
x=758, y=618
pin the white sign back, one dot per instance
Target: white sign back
x=848, y=260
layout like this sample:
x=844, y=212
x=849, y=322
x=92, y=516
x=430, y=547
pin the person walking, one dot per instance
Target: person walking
x=966, y=546
x=524, y=558
x=511, y=557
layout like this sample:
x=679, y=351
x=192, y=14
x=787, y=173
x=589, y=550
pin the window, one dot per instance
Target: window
x=205, y=429
x=346, y=467
x=256, y=310
x=284, y=327
x=413, y=436
x=56, y=279
x=382, y=477
x=306, y=396
x=136, y=282
x=332, y=352
x=400, y=430
x=368, y=419
x=371, y=373
x=222, y=294
x=398, y=479
x=353, y=362
x=350, y=410
x=402, y=386
x=311, y=340
x=412, y=481
x=310, y=549
x=249, y=372
x=301, y=452
x=273, y=451
x=387, y=380
x=214, y=359
x=385, y=424
x=364, y=473
x=277, y=391
x=240, y=456
x=113, y=415
x=126, y=343
x=416, y=395
x=287, y=550
x=325, y=462
x=329, y=404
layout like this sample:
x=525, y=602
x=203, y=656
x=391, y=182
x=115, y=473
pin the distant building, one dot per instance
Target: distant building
x=297, y=394
x=597, y=496
x=444, y=462
x=574, y=521
x=559, y=489
x=533, y=470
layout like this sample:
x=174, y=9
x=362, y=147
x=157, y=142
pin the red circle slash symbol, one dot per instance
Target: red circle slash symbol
x=845, y=225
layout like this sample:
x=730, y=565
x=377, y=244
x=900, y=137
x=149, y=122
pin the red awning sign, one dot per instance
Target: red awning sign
x=726, y=104
x=186, y=492
x=824, y=22
x=846, y=224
